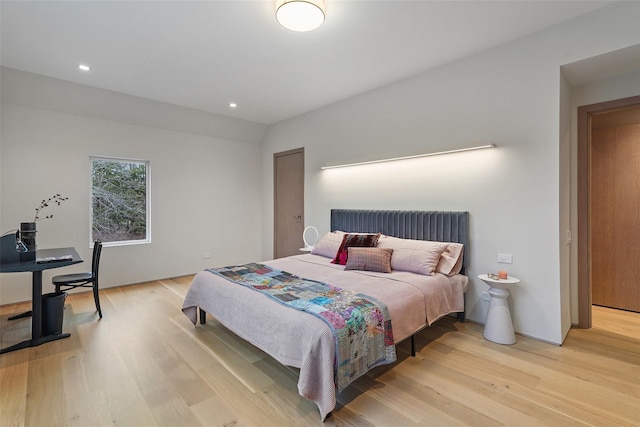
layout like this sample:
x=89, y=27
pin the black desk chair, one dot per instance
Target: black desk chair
x=83, y=280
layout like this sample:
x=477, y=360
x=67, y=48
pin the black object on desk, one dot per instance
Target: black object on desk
x=61, y=259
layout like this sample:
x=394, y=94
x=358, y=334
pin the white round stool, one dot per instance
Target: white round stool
x=499, y=327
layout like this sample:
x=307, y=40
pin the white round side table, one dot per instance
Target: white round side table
x=499, y=327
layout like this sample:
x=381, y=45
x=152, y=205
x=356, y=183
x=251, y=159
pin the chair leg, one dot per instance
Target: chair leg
x=96, y=297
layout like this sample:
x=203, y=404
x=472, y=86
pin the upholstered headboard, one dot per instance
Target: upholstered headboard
x=417, y=225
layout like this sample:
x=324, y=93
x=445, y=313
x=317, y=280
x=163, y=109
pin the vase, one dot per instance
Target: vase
x=28, y=237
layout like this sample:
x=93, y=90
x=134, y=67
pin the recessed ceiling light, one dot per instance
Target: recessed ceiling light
x=83, y=67
x=232, y=105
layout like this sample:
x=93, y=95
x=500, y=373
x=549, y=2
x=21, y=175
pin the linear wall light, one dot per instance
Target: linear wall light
x=460, y=150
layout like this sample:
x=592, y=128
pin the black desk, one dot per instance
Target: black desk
x=36, y=298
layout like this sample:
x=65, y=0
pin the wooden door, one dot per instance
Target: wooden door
x=288, y=201
x=586, y=114
x=615, y=216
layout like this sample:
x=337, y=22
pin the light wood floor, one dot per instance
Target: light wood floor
x=145, y=364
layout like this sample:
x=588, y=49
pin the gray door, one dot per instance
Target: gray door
x=288, y=194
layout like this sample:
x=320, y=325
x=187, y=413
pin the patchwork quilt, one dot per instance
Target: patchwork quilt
x=360, y=324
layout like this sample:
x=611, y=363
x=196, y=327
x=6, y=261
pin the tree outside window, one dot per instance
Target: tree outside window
x=119, y=200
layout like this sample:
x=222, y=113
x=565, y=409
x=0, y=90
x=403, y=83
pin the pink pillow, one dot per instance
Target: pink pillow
x=415, y=256
x=451, y=259
x=349, y=240
x=369, y=259
x=329, y=244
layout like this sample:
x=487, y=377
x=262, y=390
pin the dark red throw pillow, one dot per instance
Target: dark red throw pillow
x=354, y=240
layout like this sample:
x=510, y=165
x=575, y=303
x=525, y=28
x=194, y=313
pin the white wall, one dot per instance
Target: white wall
x=205, y=191
x=510, y=96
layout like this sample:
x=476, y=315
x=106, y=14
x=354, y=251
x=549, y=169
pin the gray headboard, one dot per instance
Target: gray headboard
x=417, y=225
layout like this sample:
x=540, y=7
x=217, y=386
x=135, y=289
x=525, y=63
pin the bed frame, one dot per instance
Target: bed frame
x=441, y=226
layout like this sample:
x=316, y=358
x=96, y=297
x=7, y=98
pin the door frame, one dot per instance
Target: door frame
x=584, y=203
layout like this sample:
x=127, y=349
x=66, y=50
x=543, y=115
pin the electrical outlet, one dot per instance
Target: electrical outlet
x=206, y=255
x=505, y=258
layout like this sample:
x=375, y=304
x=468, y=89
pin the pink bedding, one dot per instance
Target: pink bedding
x=298, y=339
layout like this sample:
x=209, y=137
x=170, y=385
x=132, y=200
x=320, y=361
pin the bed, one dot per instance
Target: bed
x=296, y=338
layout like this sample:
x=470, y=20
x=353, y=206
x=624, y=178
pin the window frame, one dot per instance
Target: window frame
x=147, y=164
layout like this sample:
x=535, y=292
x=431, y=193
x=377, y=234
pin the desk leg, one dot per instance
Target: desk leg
x=20, y=316
x=36, y=306
x=36, y=319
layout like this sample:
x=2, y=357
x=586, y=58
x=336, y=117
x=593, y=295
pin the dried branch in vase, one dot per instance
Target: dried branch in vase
x=57, y=199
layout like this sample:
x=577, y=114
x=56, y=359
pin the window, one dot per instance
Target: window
x=119, y=200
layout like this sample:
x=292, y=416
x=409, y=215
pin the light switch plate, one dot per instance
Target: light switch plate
x=505, y=258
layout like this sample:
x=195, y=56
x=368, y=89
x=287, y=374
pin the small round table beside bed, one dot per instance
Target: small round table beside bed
x=499, y=327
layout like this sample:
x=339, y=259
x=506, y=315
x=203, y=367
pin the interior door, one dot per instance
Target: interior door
x=288, y=167
x=615, y=214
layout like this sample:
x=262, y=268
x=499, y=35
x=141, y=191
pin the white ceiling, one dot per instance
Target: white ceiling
x=206, y=54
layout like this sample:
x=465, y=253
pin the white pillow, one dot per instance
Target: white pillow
x=329, y=244
x=416, y=256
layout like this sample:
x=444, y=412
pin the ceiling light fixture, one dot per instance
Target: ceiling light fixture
x=83, y=67
x=459, y=150
x=232, y=105
x=300, y=15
